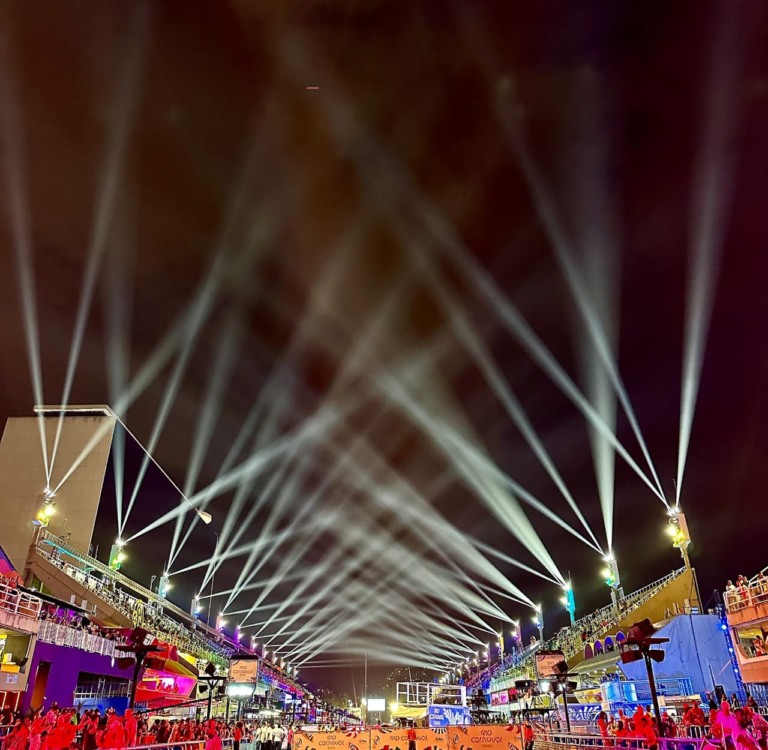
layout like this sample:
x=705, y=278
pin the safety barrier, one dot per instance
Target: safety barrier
x=746, y=596
x=546, y=740
x=473, y=737
x=18, y=602
x=63, y=635
x=186, y=745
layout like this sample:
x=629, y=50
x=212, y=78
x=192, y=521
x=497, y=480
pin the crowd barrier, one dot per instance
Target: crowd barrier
x=545, y=740
x=473, y=737
x=186, y=745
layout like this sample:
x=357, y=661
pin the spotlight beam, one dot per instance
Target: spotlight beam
x=563, y=253
x=713, y=195
x=377, y=168
x=13, y=155
x=125, y=104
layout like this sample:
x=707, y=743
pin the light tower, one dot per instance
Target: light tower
x=681, y=539
x=538, y=620
x=612, y=578
x=678, y=530
x=569, y=600
x=117, y=555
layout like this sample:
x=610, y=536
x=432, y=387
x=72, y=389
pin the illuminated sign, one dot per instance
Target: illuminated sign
x=377, y=704
x=546, y=662
x=243, y=670
x=500, y=699
x=448, y=716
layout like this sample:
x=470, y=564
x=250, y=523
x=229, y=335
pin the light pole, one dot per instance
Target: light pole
x=569, y=600
x=612, y=578
x=538, y=619
x=681, y=539
x=213, y=577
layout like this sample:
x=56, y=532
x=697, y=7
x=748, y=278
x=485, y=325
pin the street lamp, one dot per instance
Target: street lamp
x=612, y=578
x=569, y=600
x=538, y=620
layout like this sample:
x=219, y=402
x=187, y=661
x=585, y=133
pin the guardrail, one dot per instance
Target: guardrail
x=746, y=596
x=130, y=606
x=18, y=602
x=186, y=745
x=63, y=635
x=628, y=604
x=547, y=740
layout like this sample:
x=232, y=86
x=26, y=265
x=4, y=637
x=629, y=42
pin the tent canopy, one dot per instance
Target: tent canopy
x=409, y=712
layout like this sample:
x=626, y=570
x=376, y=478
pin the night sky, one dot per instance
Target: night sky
x=308, y=146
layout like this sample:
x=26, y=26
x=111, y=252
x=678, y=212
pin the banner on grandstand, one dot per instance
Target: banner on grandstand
x=244, y=670
x=546, y=661
x=485, y=737
x=446, y=716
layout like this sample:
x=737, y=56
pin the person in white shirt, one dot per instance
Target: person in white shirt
x=278, y=734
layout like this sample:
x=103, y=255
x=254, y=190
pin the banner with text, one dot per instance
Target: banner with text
x=484, y=737
x=397, y=739
x=350, y=740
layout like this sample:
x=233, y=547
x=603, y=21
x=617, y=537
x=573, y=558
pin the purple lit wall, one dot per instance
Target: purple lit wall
x=66, y=666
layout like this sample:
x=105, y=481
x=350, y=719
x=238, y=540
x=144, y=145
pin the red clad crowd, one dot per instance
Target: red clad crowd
x=63, y=729
x=738, y=729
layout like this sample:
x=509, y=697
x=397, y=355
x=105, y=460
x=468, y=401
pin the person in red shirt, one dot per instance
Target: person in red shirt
x=237, y=735
x=622, y=733
x=602, y=725
x=528, y=735
x=113, y=737
x=131, y=728
x=214, y=741
x=411, y=738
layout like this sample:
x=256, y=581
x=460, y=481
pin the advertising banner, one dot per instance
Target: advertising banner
x=546, y=661
x=446, y=716
x=397, y=739
x=243, y=670
x=350, y=740
x=484, y=737
x=580, y=713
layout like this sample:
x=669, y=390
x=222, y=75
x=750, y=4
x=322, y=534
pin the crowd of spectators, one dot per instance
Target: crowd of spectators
x=570, y=640
x=744, y=592
x=148, y=614
x=729, y=726
x=66, y=729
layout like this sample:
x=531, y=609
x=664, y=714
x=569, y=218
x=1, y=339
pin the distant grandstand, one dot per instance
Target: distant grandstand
x=597, y=632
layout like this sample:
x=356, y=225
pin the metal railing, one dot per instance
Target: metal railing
x=746, y=596
x=63, y=635
x=570, y=641
x=132, y=607
x=18, y=602
x=185, y=745
x=628, y=604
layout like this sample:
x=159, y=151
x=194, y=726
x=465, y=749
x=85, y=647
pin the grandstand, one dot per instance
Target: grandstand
x=113, y=599
x=590, y=635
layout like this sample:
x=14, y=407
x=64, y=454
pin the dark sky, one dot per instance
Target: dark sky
x=199, y=117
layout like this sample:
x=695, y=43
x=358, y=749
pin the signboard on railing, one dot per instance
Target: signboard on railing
x=546, y=661
x=244, y=670
x=446, y=716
